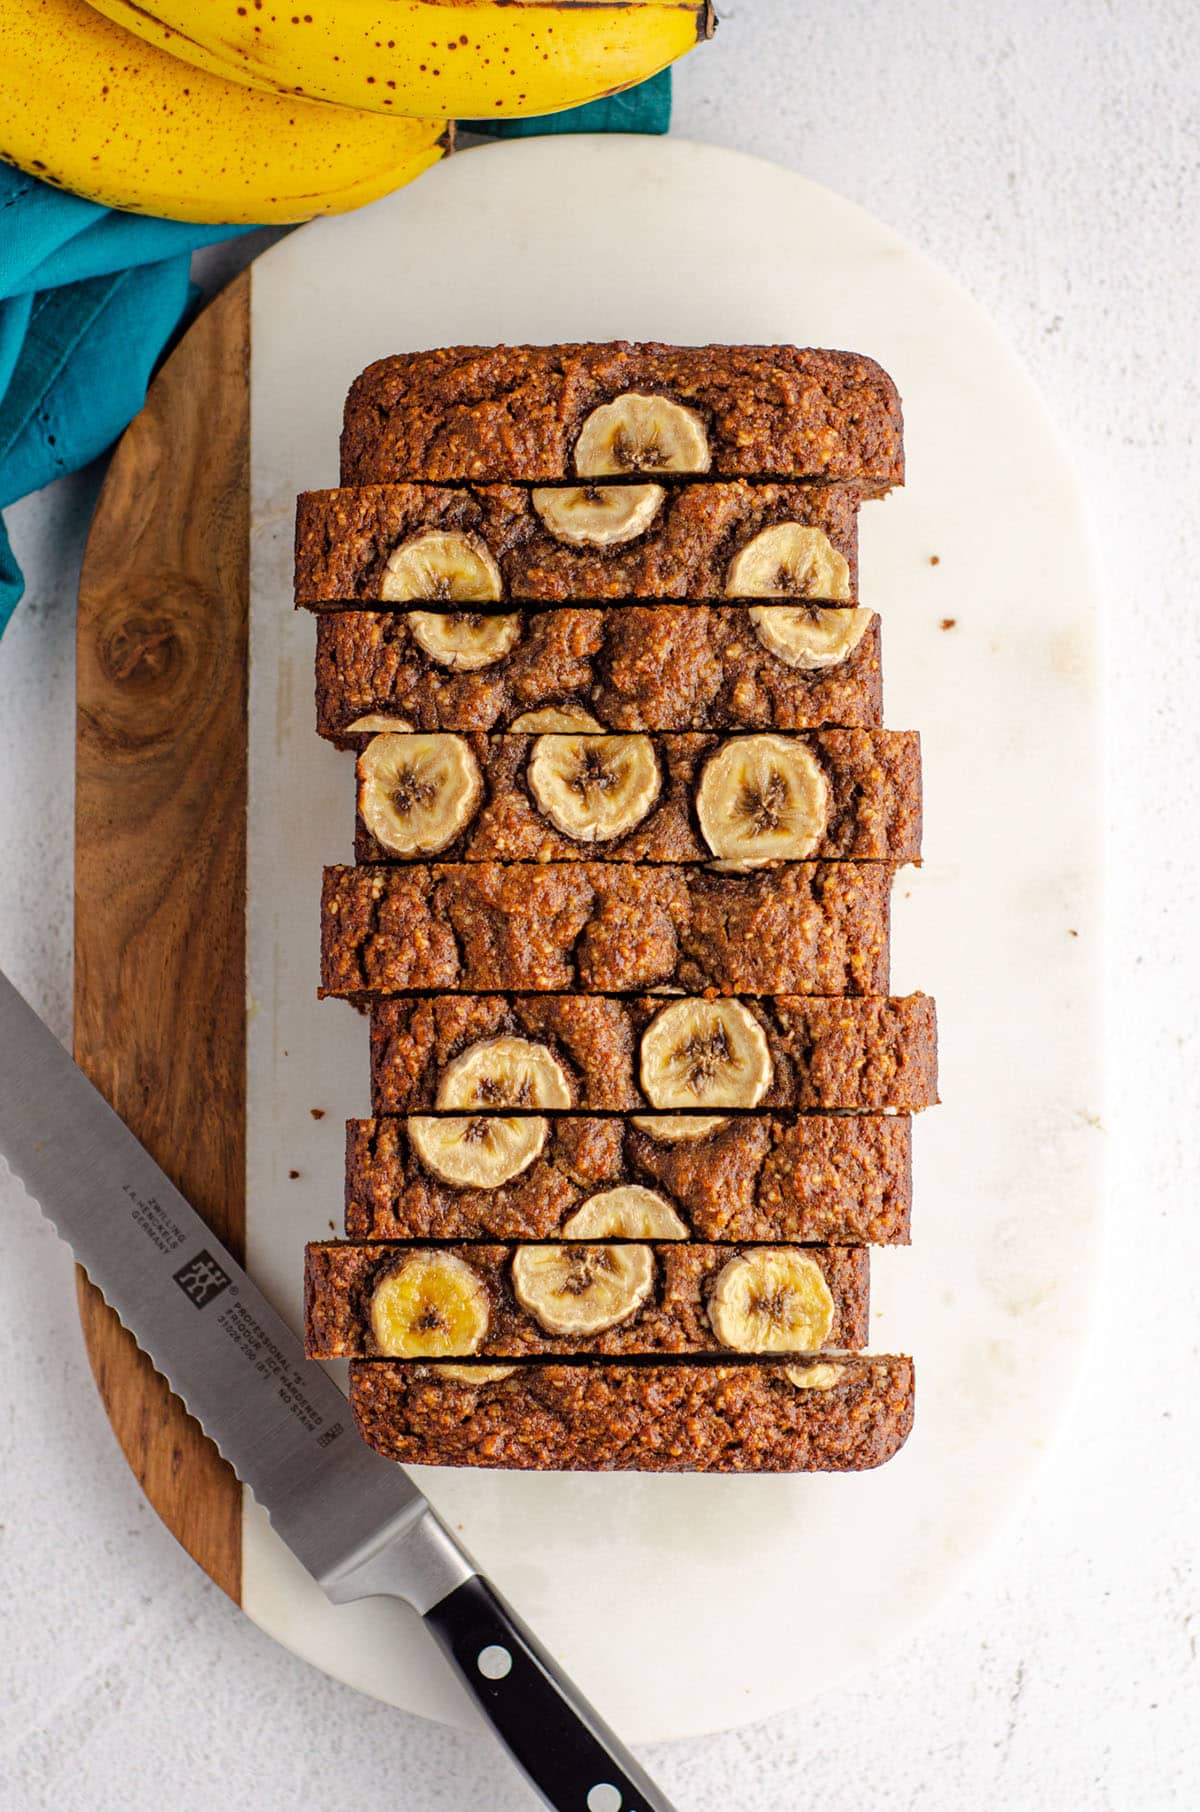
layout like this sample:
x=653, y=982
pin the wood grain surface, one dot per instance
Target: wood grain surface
x=160, y=857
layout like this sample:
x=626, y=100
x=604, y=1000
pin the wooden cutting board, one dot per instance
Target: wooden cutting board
x=160, y=857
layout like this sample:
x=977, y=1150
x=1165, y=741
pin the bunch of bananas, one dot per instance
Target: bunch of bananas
x=230, y=111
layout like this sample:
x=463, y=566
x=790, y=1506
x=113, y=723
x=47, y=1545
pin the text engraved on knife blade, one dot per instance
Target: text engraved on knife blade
x=202, y=1279
x=257, y=1346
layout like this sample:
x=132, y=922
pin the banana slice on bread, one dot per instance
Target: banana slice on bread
x=822, y=1376
x=806, y=637
x=416, y=793
x=627, y=1212
x=582, y=1290
x=604, y=515
x=678, y=1129
x=789, y=560
x=705, y=1053
x=772, y=1300
x=430, y=1305
x=443, y=566
x=636, y=433
x=477, y=1151
x=464, y=640
x=566, y=720
x=593, y=788
x=375, y=722
x=762, y=799
x=477, y=1374
x=504, y=1072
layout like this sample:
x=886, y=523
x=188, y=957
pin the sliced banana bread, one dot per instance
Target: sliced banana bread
x=800, y=1178
x=468, y=1053
x=431, y=545
x=642, y=667
x=826, y=1415
x=742, y=801
x=803, y=928
x=501, y=1302
x=547, y=412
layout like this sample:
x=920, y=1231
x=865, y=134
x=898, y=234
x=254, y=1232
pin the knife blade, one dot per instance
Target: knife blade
x=356, y=1521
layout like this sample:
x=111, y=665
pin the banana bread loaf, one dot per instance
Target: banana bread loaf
x=842, y=1415
x=643, y=667
x=504, y=1302
x=606, y=928
x=475, y=1052
x=529, y=412
x=836, y=1181
x=427, y=544
x=845, y=795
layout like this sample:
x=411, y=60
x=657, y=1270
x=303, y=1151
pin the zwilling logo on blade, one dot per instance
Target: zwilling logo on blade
x=201, y=1279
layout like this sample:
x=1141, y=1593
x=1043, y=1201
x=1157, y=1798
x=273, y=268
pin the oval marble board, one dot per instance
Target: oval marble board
x=676, y=1602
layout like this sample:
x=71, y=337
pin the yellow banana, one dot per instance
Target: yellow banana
x=466, y=59
x=90, y=108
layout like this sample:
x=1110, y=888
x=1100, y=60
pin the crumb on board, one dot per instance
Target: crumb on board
x=318, y=1113
x=1071, y=932
x=935, y=559
x=949, y=622
x=293, y=1174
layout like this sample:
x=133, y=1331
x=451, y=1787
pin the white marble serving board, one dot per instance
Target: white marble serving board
x=687, y=1604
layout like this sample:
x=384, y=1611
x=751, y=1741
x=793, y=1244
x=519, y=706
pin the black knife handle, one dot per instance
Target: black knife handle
x=571, y=1758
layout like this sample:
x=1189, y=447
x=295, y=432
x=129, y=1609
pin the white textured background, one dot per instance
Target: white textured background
x=1049, y=157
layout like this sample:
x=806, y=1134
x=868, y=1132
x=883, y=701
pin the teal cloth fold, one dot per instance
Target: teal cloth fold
x=90, y=297
x=646, y=108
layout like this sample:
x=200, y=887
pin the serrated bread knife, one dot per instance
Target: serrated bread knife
x=353, y=1519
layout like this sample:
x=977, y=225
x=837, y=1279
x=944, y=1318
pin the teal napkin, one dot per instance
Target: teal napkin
x=90, y=298
x=646, y=108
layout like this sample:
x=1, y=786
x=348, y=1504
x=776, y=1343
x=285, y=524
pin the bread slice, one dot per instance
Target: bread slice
x=834, y=1180
x=607, y=928
x=643, y=667
x=488, y=412
x=848, y=1055
x=611, y=1416
x=345, y=539
x=572, y=1298
x=855, y=796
